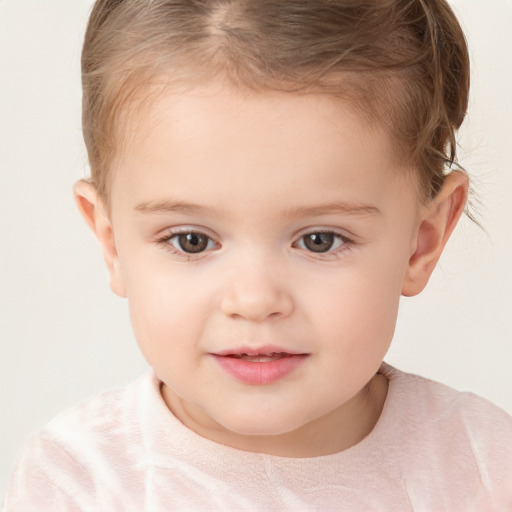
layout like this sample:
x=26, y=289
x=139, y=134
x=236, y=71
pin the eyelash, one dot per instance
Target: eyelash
x=346, y=243
x=165, y=242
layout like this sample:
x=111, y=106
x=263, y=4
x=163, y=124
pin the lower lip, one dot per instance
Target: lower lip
x=260, y=373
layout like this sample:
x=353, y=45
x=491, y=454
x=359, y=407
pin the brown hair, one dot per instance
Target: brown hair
x=404, y=63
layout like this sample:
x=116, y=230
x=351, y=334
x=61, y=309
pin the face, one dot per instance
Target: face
x=262, y=241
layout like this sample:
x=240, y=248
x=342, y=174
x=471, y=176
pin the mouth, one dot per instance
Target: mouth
x=260, y=358
x=259, y=366
x=263, y=351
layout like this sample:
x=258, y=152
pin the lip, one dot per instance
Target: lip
x=254, y=351
x=259, y=372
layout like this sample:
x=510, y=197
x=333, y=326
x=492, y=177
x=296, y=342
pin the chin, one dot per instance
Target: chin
x=264, y=425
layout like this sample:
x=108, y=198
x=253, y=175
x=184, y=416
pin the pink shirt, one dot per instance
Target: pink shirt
x=433, y=449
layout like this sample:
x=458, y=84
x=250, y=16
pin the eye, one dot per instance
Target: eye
x=321, y=241
x=191, y=243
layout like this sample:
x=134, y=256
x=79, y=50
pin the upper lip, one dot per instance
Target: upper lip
x=257, y=351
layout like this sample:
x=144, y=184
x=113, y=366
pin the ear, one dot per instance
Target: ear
x=437, y=222
x=95, y=215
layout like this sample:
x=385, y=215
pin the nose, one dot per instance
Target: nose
x=256, y=293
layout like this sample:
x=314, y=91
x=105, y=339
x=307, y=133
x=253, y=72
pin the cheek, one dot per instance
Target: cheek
x=359, y=303
x=167, y=308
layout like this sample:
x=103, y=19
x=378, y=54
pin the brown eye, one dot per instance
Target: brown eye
x=321, y=242
x=191, y=243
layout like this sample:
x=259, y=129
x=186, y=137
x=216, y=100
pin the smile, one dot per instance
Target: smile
x=259, y=367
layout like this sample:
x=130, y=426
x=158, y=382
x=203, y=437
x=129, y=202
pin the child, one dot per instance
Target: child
x=268, y=178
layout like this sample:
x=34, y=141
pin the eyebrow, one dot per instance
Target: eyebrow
x=344, y=208
x=170, y=206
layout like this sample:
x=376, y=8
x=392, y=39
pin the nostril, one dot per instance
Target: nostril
x=256, y=301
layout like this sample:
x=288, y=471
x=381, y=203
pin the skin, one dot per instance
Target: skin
x=256, y=173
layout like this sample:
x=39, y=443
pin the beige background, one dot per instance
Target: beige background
x=63, y=335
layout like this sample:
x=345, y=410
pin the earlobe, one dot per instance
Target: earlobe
x=95, y=215
x=437, y=222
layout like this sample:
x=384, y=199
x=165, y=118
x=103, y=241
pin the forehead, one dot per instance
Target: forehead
x=220, y=138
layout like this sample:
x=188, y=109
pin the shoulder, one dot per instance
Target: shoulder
x=62, y=466
x=433, y=402
x=108, y=415
x=462, y=439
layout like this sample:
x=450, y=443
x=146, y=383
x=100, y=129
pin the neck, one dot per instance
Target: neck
x=338, y=430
